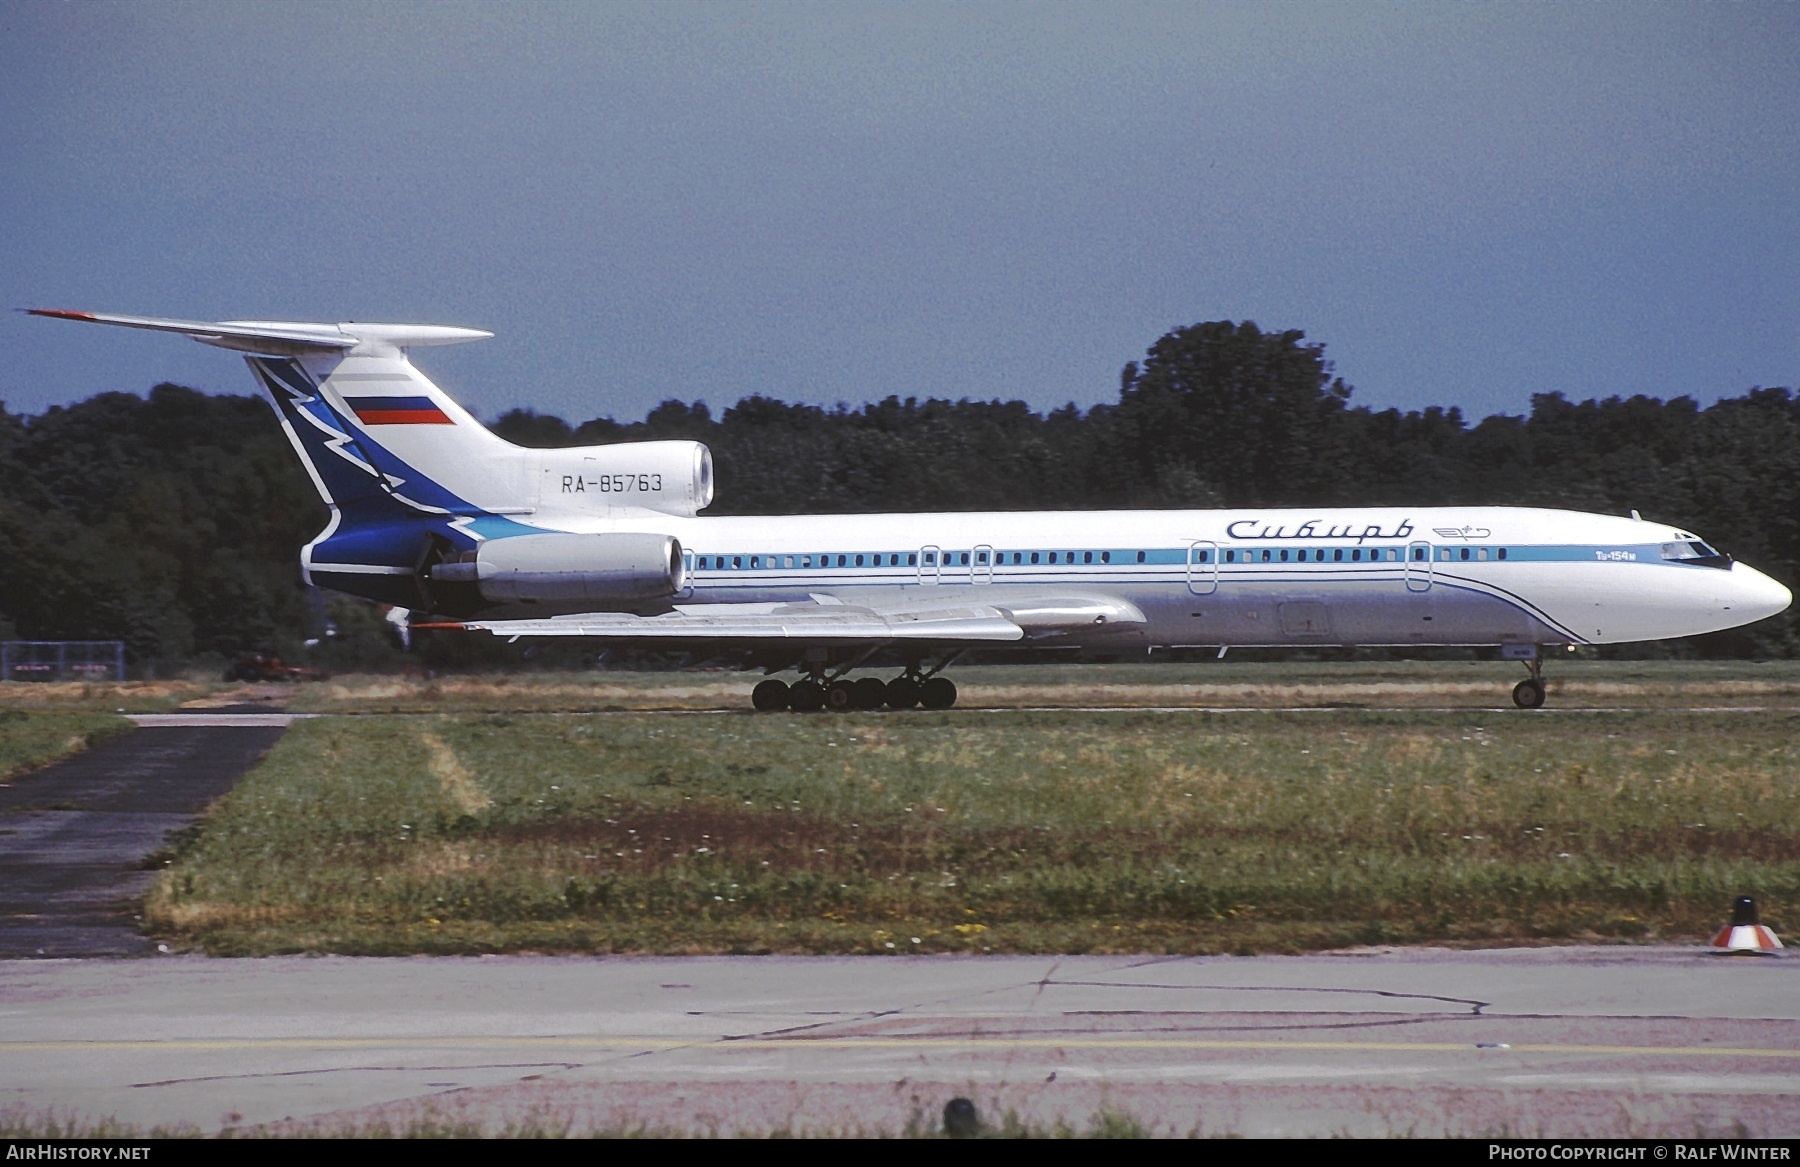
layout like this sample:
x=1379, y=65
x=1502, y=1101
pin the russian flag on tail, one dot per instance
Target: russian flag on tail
x=397, y=411
x=1745, y=933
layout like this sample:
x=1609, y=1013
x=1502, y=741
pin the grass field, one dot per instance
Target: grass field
x=31, y=740
x=1025, y=831
x=1574, y=683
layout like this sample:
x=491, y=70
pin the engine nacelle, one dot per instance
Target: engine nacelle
x=561, y=569
x=675, y=478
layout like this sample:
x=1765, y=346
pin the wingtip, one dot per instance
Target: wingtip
x=57, y=313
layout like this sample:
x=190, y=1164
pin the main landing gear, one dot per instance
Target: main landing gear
x=840, y=694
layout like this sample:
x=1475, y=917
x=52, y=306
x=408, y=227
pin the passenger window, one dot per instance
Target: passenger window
x=1443, y=553
x=859, y=561
x=1087, y=557
x=1284, y=555
x=1019, y=557
x=962, y=559
x=1481, y=553
x=1140, y=557
x=1503, y=553
x=930, y=558
x=1106, y=557
x=1034, y=557
x=1465, y=554
x=841, y=561
x=737, y=561
x=1338, y=555
x=1265, y=555
x=981, y=557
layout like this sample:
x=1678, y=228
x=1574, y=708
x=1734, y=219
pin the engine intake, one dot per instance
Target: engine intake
x=590, y=569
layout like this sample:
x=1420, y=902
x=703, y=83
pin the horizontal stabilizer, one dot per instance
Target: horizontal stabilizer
x=282, y=338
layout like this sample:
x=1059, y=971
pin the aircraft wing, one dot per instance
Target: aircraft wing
x=823, y=620
x=824, y=623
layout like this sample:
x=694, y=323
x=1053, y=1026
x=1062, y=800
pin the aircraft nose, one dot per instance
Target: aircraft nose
x=1757, y=596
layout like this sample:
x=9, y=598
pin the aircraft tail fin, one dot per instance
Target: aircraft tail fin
x=405, y=469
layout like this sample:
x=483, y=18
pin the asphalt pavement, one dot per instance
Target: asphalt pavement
x=1598, y=1041
x=76, y=836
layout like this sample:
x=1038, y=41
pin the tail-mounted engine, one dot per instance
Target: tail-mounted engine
x=600, y=570
x=675, y=478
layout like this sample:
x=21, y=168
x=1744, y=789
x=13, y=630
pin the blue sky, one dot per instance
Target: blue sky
x=1467, y=204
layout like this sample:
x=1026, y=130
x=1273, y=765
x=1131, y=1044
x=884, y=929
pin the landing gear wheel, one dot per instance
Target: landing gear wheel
x=840, y=696
x=806, y=697
x=770, y=696
x=902, y=693
x=937, y=693
x=1529, y=693
x=870, y=693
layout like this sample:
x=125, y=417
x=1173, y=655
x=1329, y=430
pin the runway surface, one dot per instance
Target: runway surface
x=1569, y=1041
x=255, y=719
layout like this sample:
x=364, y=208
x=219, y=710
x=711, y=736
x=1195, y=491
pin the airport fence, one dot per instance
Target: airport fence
x=62, y=660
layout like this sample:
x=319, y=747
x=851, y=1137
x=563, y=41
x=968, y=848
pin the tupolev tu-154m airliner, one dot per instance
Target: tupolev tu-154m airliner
x=434, y=514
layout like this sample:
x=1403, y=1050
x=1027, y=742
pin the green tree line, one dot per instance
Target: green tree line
x=174, y=521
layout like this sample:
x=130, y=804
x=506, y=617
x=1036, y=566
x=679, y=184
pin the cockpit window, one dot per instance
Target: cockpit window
x=1696, y=553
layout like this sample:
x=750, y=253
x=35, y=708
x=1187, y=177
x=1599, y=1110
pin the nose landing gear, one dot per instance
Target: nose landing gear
x=1529, y=693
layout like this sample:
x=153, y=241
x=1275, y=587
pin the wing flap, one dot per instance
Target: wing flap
x=810, y=621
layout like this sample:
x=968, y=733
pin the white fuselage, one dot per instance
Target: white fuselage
x=1388, y=576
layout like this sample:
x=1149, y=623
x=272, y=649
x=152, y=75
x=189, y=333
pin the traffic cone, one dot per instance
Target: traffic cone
x=1745, y=933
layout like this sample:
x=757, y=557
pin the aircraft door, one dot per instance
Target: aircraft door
x=981, y=566
x=1203, y=567
x=928, y=563
x=1418, y=567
